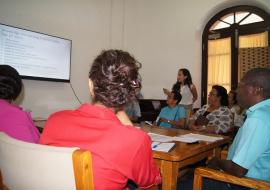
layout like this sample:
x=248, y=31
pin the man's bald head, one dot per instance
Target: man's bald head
x=260, y=78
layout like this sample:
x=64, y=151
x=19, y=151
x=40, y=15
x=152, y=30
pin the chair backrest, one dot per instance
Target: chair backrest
x=150, y=108
x=225, y=177
x=26, y=166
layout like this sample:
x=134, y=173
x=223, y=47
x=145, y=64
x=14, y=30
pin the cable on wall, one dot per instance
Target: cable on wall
x=75, y=93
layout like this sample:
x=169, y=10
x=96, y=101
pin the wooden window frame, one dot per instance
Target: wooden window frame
x=246, y=29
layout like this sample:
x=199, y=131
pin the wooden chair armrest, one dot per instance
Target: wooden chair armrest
x=82, y=165
x=2, y=186
x=225, y=177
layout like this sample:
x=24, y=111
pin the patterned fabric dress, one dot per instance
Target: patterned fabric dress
x=221, y=118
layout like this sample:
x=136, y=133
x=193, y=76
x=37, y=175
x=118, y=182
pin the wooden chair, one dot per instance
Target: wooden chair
x=27, y=166
x=225, y=177
x=2, y=186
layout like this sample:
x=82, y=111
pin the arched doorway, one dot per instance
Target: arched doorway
x=223, y=37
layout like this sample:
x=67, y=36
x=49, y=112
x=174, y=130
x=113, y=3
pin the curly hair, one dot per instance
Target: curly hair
x=10, y=83
x=222, y=93
x=115, y=78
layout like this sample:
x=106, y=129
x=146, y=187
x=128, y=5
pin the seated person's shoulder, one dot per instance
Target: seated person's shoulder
x=135, y=132
x=202, y=109
x=59, y=117
x=63, y=113
x=262, y=113
x=134, y=137
x=181, y=108
x=13, y=109
x=164, y=108
x=18, y=113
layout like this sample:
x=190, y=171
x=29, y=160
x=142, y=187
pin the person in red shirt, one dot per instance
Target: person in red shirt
x=121, y=152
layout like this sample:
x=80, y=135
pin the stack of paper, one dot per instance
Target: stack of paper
x=160, y=138
x=163, y=140
x=163, y=147
x=185, y=139
x=196, y=137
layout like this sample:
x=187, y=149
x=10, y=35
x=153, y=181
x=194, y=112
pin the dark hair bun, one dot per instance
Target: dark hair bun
x=115, y=77
x=10, y=83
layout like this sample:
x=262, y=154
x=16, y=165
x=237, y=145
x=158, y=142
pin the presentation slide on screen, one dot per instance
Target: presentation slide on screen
x=34, y=54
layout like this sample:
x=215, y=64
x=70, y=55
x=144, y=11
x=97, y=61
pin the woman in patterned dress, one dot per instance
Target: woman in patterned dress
x=215, y=117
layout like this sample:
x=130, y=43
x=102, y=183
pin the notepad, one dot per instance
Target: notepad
x=161, y=146
x=160, y=138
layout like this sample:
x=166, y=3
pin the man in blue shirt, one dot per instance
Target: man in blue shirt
x=172, y=115
x=249, y=154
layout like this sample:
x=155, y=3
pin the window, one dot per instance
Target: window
x=219, y=63
x=240, y=18
x=223, y=37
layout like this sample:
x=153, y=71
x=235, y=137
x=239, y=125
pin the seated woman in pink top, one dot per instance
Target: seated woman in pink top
x=13, y=120
x=121, y=152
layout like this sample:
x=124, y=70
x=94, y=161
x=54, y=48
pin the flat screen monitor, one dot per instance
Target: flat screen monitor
x=35, y=55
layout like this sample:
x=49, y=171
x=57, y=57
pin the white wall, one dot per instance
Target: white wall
x=163, y=35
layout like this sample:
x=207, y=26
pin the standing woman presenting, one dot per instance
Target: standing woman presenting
x=186, y=88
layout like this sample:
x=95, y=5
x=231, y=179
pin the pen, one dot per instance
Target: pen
x=155, y=146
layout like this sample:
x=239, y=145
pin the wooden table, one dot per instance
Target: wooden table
x=182, y=154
